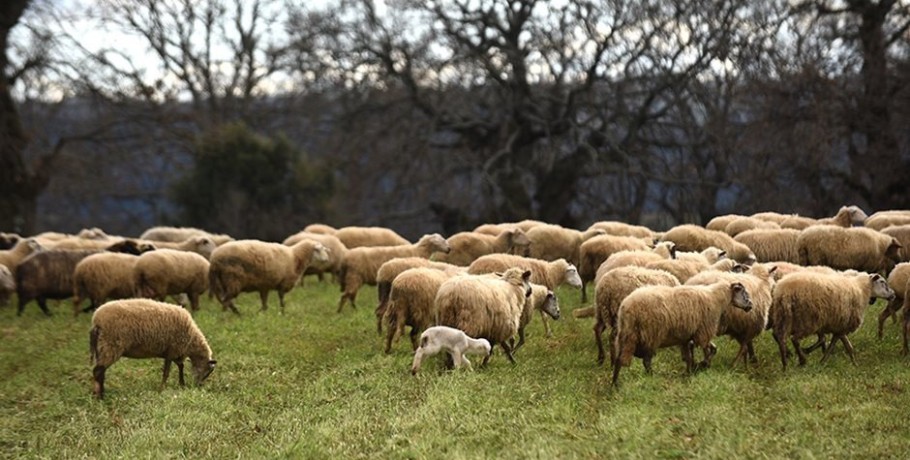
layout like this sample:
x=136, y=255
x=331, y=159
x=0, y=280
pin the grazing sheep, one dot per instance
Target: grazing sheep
x=7, y=285
x=356, y=237
x=694, y=238
x=411, y=303
x=143, y=328
x=102, y=276
x=12, y=257
x=178, y=234
x=597, y=250
x=8, y=240
x=552, y=242
x=901, y=233
x=484, y=306
x=719, y=223
x=809, y=303
x=453, y=341
x=542, y=300
x=655, y=317
x=390, y=270
x=321, y=229
x=336, y=248
x=466, y=247
x=846, y=216
x=742, y=224
x=165, y=272
x=771, y=245
x=550, y=274
x=884, y=219
x=740, y=325
x=609, y=292
x=897, y=280
x=623, y=229
x=360, y=265
x=49, y=274
x=251, y=265
x=770, y=216
x=841, y=248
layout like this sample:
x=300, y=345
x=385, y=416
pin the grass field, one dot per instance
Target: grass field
x=314, y=384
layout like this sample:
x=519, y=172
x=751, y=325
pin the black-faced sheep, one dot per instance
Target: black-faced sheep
x=550, y=274
x=466, y=247
x=251, y=265
x=655, y=317
x=692, y=238
x=453, y=341
x=598, y=249
x=102, y=276
x=165, y=272
x=484, y=306
x=143, y=328
x=411, y=303
x=357, y=237
x=741, y=325
x=390, y=270
x=809, y=303
x=841, y=248
x=361, y=265
x=772, y=245
x=609, y=292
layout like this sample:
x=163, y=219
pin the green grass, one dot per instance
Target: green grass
x=314, y=384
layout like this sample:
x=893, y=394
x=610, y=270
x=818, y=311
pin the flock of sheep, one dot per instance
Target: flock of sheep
x=469, y=293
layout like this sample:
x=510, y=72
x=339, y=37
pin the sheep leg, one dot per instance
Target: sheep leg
x=830, y=349
x=546, y=324
x=686, y=352
x=751, y=353
x=415, y=336
x=166, y=372
x=782, y=347
x=42, y=302
x=486, y=359
x=799, y=351
x=599, y=327
x=584, y=292
x=849, y=347
x=741, y=354
x=508, y=349
x=281, y=299
x=264, y=298
x=820, y=342
x=646, y=361
x=465, y=362
x=905, y=331
x=194, y=301
x=98, y=376
x=708, y=352
x=418, y=357
x=890, y=310
x=229, y=304
x=521, y=340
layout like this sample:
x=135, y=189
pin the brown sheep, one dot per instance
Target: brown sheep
x=390, y=270
x=598, y=249
x=412, y=303
x=841, y=248
x=901, y=233
x=165, y=272
x=466, y=247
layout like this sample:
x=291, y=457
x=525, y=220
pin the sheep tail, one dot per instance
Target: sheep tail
x=93, y=344
x=586, y=312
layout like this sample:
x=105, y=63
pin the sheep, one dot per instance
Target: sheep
x=125, y=245
x=742, y=224
x=846, y=216
x=7, y=285
x=655, y=317
x=550, y=274
x=496, y=229
x=360, y=265
x=807, y=303
x=453, y=341
x=884, y=219
x=771, y=245
x=178, y=234
x=552, y=242
x=49, y=274
x=739, y=325
x=901, y=233
x=662, y=251
x=609, y=292
x=336, y=248
x=411, y=303
x=897, y=280
x=143, y=328
x=694, y=238
x=719, y=223
x=202, y=245
x=542, y=300
x=484, y=306
x=102, y=276
x=355, y=237
x=683, y=269
x=171, y=272
x=390, y=270
x=595, y=251
x=770, y=216
x=709, y=255
x=622, y=229
x=252, y=265
x=23, y=248
x=858, y=248
x=8, y=240
x=468, y=246
x=321, y=229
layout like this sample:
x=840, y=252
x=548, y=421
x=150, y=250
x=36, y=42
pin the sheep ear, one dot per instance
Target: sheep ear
x=737, y=287
x=526, y=275
x=772, y=269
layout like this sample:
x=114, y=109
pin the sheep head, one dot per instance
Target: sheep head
x=880, y=288
x=572, y=277
x=202, y=368
x=551, y=305
x=741, y=297
x=435, y=242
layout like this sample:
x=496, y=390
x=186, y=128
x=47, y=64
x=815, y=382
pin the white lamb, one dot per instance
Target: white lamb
x=454, y=341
